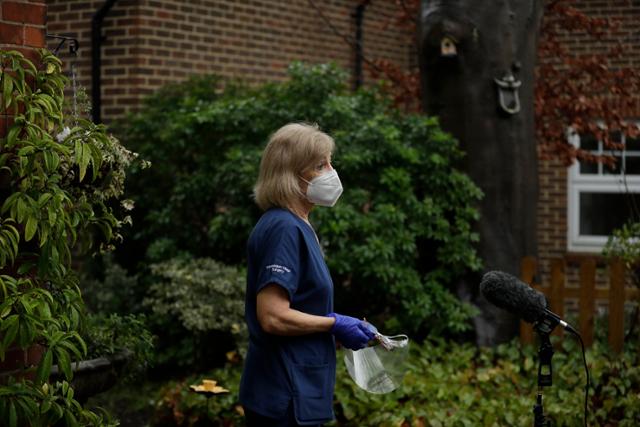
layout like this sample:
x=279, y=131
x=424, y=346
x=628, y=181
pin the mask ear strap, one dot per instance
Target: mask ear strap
x=308, y=182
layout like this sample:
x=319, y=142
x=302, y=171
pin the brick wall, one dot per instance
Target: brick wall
x=151, y=43
x=552, y=208
x=22, y=28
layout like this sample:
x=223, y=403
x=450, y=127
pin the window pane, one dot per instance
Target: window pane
x=615, y=136
x=632, y=165
x=632, y=144
x=588, y=142
x=588, y=168
x=601, y=213
x=613, y=169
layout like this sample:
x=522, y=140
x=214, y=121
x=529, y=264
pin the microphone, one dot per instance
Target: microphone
x=509, y=293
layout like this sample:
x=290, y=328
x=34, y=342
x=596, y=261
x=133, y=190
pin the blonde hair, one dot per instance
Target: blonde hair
x=292, y=150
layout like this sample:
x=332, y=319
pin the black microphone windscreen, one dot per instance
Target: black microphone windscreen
x=507, y=292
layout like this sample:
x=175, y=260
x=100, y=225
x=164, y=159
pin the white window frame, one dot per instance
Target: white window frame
x=578, y=183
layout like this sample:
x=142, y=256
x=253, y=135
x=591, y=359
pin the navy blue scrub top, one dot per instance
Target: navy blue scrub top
x=278, y=370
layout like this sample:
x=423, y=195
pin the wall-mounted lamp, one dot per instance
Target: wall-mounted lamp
x=448, y=47
x=508, y=97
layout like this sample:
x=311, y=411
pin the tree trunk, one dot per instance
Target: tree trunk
x=470, y=52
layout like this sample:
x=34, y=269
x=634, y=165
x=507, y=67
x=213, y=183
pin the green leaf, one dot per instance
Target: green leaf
x=13, y=417
x=70, y=419
x=68, y=345
x=44, y=369
x=57, y=409
x=46, y=405
x=21, y=208
x=82, y=158
x=25, y=267
x=14, y=238
x=96, y=160
x=43, y=199
x=64, y=362
x=45, y=310
x=7, y=89
x=83, y=345
x=30, y=228
x=4, y=312
x=12, y=135
x=29, y=408
x=44, y=234
x=11, y=325
x=26, y=333
x=52, y=215
x=48, y=160
x=26, y=151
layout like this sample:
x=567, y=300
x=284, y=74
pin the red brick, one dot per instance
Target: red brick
x=11, y=34
x=14, y=358
x=116, y=111
x=57, y=7
x=58, y=27
x=5, y=123
x=34, y=36
x=34, y=354
x=29, y=13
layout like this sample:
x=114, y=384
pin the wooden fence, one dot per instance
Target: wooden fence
x=586, y=293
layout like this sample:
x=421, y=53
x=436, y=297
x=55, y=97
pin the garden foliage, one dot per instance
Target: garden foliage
x=449, y=384
x=203, y=300
x=400, y=234
x=61, y=179
x=114, y=336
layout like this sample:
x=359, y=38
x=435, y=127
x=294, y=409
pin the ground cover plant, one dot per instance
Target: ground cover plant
x=449, y=384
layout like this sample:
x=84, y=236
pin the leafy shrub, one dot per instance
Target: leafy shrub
x=108, y=336
x=203, y=298
x=25, y=403
x=401, y=233
x=624, y=244
x=61, y=181
x=109, y=288
x=449, y=384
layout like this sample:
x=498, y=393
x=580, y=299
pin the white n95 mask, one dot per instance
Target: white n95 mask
x=325, y=189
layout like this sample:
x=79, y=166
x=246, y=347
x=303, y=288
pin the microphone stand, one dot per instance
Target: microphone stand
x=545, y=370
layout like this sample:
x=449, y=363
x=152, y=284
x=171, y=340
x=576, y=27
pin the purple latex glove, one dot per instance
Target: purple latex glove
x=351, y=332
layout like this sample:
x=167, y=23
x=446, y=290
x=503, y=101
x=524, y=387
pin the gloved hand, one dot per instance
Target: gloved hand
x=351, y=332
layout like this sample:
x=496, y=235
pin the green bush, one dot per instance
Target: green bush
x=108, y=288
x=198, y=305
x=400, y=235
x=623, y=244
x=449, y=384
x=114, y=335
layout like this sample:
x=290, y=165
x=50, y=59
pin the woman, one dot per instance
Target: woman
x=289, y=371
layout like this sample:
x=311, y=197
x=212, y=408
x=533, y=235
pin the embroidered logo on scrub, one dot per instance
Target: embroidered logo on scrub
x=275, y=268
